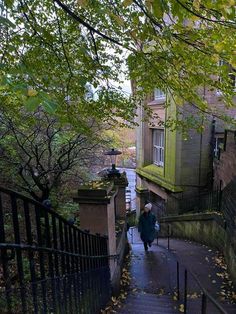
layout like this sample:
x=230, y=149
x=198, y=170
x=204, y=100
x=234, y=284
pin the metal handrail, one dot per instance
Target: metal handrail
x=57, y=266
x=50, y=211
x=11, y=246
x=205, y=294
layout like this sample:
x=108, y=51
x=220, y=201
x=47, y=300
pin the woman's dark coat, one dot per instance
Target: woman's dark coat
x=146, y=227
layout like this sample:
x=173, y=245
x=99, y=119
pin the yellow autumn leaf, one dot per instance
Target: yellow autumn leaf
x=181, y=308
x=196, y=4
x=127, y=3
x=118, y=19
x=219, y=47
x=31, y=92
x=231, y=2
x=83, y=3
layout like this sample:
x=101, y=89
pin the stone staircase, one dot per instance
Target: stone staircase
x=148, y=303
x=144, y=303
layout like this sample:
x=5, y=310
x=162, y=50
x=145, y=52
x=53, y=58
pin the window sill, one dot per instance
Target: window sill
x=158, y=101
x=155, y=174
x=158, y=165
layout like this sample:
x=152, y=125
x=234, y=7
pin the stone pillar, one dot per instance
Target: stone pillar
x=97, y=212
x=120, y=199
x=142, y=195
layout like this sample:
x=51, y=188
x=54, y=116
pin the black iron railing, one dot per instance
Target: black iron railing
x=207, y=201
x=48, y=265
x=207, y=300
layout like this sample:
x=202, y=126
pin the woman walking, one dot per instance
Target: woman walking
x=146, y=226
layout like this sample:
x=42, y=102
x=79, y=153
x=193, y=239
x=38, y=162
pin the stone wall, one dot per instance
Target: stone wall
x=209, y=229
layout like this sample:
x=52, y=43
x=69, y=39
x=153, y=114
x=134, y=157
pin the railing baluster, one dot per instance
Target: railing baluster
x=4, y=259
x=18, y=252
x=177, y=270
x=96, y=251
x=39, y=217
x=72, y=250
x=55, y=244
x=56, y=261
x=99, y=261
x=68, y=266
x=168, y=236
x=76, y=269
x=185, y=290
x=63, y=267
x=31, y=255
x=204, y=304
x=50, y=260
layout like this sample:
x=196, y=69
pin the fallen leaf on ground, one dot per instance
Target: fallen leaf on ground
x=181, y=308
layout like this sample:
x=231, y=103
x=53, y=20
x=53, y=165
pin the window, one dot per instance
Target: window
x=158, y=147
x=219, y=142
x=158, y=93
x=232, y=76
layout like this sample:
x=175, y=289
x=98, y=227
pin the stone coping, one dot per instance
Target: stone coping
x=95, y=192
x=193, y=217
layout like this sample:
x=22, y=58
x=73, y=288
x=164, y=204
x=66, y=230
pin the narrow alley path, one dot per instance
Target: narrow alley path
x=153, y=278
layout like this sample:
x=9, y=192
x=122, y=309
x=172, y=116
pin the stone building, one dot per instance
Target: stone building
x=174, y=172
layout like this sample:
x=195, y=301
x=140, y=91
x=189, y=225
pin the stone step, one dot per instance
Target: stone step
x=143, y=302
x=153, y=310
x=149, y=303
x=167, y=301
x=152, y=296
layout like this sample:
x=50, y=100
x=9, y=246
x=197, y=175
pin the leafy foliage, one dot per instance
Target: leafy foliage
x=52, y=50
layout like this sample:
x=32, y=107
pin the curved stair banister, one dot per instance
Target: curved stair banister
x=47, y=264
x=205, y=294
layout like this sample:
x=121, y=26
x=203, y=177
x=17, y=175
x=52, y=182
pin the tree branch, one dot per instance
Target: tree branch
x=87, y=25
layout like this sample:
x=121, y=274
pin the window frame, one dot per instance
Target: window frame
x=158, y=147
x=161, y=94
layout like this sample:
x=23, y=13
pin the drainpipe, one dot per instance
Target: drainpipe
x=200, y=161
x=213, y=129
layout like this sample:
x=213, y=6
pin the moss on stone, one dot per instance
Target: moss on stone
x=153, y=173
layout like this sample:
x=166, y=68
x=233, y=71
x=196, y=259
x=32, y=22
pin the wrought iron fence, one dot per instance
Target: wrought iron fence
x=228, y=206
x=48, y=265
x=209, y=201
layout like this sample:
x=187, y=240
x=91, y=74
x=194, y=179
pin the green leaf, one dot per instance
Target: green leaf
x=50, y=106
x=158, y=8
x=32, y=103
x=9, y=3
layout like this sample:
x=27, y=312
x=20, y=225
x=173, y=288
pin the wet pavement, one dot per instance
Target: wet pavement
x=155, y=271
